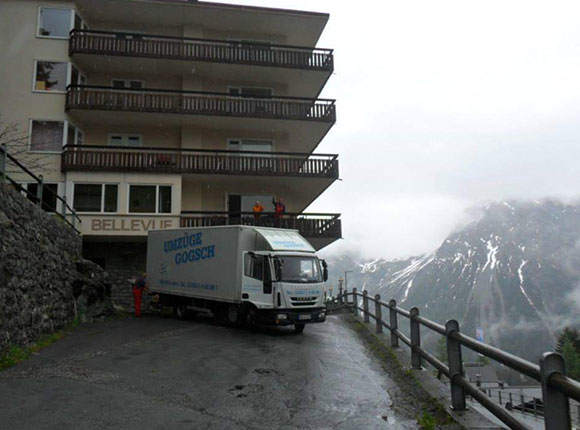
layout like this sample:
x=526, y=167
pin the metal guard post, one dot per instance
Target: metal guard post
x=39, y=190
x=556, y=404
x=415, y=339
x=394, y=324
x=366, y=306
x=354, y=303
x=455, y=366
x=378, y=313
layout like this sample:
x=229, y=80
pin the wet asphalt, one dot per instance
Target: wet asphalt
x=159, y=373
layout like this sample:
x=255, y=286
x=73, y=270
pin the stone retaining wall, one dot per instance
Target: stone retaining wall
x=44, y=282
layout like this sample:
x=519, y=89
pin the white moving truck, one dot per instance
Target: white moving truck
x=243, y=273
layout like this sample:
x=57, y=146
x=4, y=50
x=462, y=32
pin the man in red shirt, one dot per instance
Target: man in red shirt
x=139, y=286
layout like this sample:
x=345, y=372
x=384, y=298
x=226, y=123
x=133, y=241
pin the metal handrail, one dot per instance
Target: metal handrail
x=330, y=216
x=6, y=156
x=557, y=388
x=197, y=39
x=328, y=102
x=200, y=150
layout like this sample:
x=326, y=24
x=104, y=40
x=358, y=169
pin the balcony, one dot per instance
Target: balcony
x=198, y=161
x=193, y=49
x=199, y=103
x=320, y=229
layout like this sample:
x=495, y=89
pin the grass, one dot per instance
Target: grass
x=16, y=354
x=427, y=421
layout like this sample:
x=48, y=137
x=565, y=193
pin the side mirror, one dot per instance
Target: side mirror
x=324, y=270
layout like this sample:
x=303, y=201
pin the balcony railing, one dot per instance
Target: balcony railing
x=194, y=49
x=198, y=103
x=198, y=161
x=312, y=225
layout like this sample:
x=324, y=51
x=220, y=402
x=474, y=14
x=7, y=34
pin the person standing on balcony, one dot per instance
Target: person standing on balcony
x=257, y=209
x=279, y=210
x=139, y=286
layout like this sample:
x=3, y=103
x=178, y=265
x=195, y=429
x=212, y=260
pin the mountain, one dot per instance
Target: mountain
x=514, y=273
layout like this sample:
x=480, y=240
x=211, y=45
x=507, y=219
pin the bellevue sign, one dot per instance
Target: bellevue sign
x=126, y=225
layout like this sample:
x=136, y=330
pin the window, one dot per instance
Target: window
x=74, y=136
x=46, y=136
x=300, y=270
x=124, y=83
x=50, y=76
x=77, y=78
x=150, y=198
x=55, y=23
x=95, y=197
x=80, y=138
x=125, y=139
x=164, y=205
x=79, y=23
x=250, y=43
x=251, y=145
x=49, y=193
x=50, y=136
x=250, y=91
x=254, y=266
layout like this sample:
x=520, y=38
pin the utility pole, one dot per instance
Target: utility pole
x=346, y=272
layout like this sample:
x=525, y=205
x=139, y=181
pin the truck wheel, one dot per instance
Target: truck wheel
x=235, y=316
x=251, y=318
x=180, y=311
x=299, y=328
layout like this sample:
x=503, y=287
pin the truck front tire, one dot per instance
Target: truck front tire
x=299, y=328
x=251, y=318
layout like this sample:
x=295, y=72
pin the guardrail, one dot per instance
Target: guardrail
x=197, y=49
x=557, y=388
x=311, y=225
x=198, y=161
x=5, y=157
x=91, y=97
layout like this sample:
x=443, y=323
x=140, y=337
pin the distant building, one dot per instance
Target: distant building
x=481, y=375
x=166, y=113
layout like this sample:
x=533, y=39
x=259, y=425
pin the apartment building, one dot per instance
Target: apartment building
x=165, y=113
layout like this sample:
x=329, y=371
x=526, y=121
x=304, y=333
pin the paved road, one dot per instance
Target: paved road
x=160, y=373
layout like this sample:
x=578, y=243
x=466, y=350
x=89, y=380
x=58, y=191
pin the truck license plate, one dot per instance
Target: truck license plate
x=304, y=317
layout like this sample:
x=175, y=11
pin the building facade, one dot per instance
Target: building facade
x=150, y=114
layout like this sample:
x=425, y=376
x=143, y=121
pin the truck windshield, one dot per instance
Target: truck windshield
x=300, y=270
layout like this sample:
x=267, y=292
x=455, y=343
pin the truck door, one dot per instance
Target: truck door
x=257, y=280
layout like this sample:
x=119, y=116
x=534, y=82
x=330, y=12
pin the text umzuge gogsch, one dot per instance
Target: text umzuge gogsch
x=189, y=248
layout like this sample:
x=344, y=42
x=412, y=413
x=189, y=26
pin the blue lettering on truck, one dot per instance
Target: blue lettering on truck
x=188, y=249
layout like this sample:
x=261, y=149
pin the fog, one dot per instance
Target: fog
x=442, y=106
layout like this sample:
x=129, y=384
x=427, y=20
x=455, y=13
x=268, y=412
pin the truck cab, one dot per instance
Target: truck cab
x=285, y=287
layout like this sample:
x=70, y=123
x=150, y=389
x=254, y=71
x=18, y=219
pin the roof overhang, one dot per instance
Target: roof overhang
x=300, y=27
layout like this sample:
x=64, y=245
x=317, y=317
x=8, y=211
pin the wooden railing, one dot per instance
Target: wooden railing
x=194, y=49
x=198, y=103
x=311, y=225
x=557, y=388
x=198, y=161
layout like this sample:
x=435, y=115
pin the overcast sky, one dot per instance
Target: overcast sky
x=443, y=105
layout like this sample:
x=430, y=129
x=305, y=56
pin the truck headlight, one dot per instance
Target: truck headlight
x=281, y=316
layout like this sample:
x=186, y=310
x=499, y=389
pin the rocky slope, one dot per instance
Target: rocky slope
x=514, y=273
